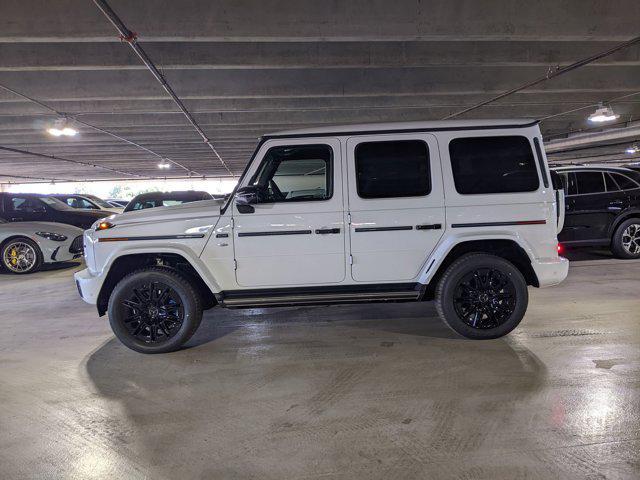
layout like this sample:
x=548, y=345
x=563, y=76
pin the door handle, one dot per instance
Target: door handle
x=325, y=231
x=433, y=226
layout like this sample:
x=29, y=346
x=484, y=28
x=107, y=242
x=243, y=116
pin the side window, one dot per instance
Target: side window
x=24, y=204
x=296, y=173
x=83, y=203
x=493, y=165
x=590, y=182
x=625, y=182
x=610, y=183
x=398, y=168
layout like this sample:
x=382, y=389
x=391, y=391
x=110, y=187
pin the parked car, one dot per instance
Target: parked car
x=24, y=207
x=86, y=201
x=343, y=215
x=25, y=246
x=602, y=208
x=165, y=199
x=117, y=202
x=633, y=166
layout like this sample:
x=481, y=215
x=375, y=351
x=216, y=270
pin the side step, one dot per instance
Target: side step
x=233, y=300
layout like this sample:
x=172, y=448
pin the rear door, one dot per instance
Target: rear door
x=395, y=203
x=591, y=216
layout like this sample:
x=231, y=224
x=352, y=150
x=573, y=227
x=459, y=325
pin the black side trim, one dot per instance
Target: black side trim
x=498, y=224
x=325, y=231
x=435, y=226
x=377, y=287
x=402, y=130
x=222, y=235
x=150, y=237
x=383, y=229
x=269, y=234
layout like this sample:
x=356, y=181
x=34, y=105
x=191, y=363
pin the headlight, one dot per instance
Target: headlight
x=104, y=226
x=56, y=237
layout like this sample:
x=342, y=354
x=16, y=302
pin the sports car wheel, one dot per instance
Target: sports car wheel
x=21, y=255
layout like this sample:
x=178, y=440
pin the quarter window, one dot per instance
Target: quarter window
x=625, y=182
x=493, y=165
x=590, y=182
x=398, y=168
x=296, y=173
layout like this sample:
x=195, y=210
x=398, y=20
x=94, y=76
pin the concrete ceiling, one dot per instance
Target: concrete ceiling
x=247, y=68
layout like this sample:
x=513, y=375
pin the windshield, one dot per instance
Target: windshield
x=55, y=203
x=98, y=201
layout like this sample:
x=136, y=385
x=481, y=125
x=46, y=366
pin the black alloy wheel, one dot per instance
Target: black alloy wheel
x=484, y=298
x=154, y=310
x=481, y=296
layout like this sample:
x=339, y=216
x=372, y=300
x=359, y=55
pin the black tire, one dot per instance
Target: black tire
x=140, y=302
x=482, y=290
x=36, y=262
x=625, y=242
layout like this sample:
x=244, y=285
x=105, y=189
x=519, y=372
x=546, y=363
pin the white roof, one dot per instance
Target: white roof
x=430, y=125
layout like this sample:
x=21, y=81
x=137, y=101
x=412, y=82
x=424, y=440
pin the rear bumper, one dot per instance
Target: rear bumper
x=551, y=271
x=88, y=285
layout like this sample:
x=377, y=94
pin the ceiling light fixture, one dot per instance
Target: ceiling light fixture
x=164, y=165
x=633, y=149
x=60, y=128
x=603, y=114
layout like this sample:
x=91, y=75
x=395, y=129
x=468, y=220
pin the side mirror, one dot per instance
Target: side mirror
x=246, y=197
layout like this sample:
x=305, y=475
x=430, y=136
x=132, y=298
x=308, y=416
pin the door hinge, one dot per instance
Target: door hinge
x=235, y=264
x=349, y=218
x=350, y=259
x=232, y=223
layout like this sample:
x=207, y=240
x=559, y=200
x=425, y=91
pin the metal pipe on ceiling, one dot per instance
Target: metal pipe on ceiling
x=552, y=73
x=62, y=159
x=93, y=127
x=632, y=132
x=131, y=39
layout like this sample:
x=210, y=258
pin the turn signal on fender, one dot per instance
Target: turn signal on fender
x=104, y=226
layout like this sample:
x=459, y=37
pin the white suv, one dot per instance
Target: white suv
x=463, y=212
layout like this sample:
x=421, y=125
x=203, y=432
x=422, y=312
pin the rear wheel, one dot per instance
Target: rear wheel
x=21, y=255
x=626, y=239
x=154, y=310
x=482, y=296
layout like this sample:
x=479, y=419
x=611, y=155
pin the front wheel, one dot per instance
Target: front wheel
x=21, y=255
x=482, y=296
x=154, y=310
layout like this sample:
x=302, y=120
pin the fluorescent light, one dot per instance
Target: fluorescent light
x=163, y=165
x=56, y=132
x=603, y=114
x=69, y=132
x=632, y=150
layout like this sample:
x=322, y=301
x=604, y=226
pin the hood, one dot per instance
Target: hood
x=198, y=209
x=32, y=227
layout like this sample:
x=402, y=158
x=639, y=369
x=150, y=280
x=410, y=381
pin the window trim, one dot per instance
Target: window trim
x=521, y=192
x=355, y=166
x=330, y=175
x=605, y=185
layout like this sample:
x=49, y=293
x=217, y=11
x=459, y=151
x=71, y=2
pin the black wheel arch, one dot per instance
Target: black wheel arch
x=504, y=248
x=126, y=264
x=623, y=217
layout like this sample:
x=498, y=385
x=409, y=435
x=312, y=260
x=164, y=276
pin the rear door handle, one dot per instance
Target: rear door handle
x=326, y=231
x=433, y=226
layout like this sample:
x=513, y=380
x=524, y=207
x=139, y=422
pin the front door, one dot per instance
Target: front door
x=295, y=236
x=396, y=205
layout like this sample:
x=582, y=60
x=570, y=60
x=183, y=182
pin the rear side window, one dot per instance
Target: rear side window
x=590, y=182
x=493, y=165
x=398, y=168
x=625, y=182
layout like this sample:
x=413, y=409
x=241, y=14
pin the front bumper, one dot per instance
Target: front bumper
x=88, y=285
x=551, y=271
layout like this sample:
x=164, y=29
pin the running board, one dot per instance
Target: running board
x=318, y=299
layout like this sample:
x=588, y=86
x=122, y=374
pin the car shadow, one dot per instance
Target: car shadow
x=287, y=374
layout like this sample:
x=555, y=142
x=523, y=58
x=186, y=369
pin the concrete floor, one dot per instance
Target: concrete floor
x=345, y=392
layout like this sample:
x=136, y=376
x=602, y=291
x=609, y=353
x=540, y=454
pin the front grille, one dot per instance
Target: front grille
x=76, y=245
